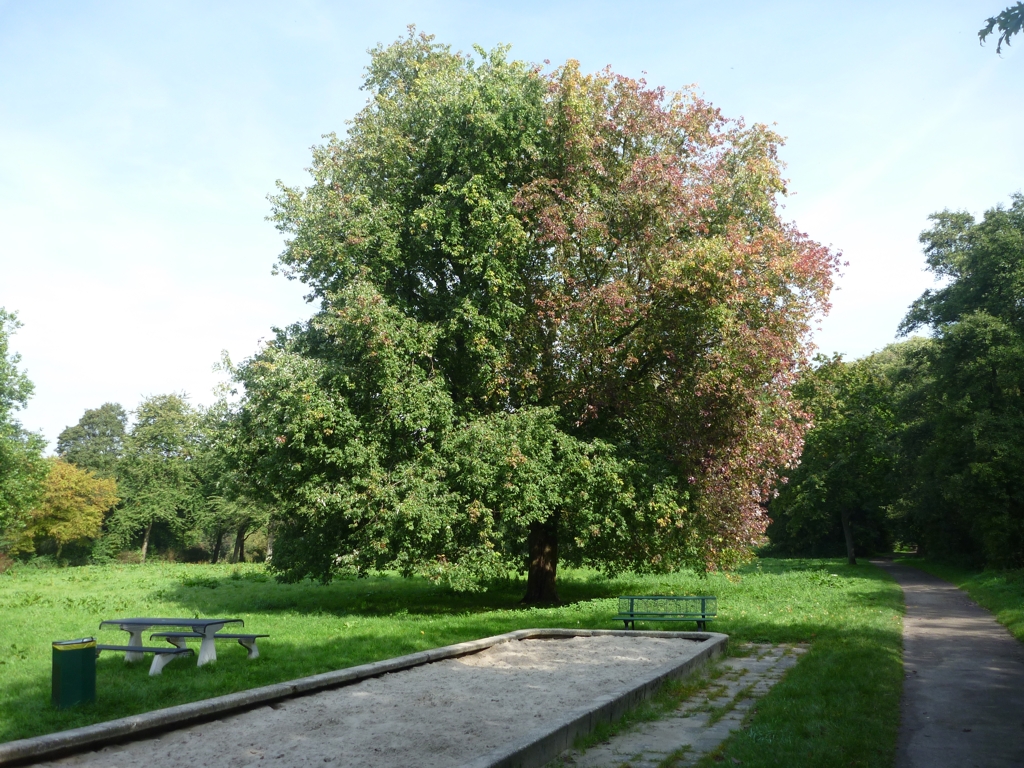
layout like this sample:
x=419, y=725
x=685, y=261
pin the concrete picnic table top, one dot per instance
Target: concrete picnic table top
x=208, y=628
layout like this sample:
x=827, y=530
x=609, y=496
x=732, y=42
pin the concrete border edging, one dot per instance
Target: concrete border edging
x=521, y=753
x=544, y=744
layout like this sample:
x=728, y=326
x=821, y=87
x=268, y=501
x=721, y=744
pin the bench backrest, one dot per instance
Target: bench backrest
x=703, y=605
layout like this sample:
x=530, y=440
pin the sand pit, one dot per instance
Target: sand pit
x=442, y=714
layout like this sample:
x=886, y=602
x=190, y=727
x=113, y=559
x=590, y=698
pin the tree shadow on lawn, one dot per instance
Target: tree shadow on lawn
x=382, y=595
x=778, y=601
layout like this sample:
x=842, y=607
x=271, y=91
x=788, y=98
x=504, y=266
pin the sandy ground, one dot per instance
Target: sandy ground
x=442, y=714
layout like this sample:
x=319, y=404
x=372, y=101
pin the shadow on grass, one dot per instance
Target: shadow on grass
x=373, y=596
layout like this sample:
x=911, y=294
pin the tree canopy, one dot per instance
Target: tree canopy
x=96, y=442
x=71, y=507
x=969, y=449
x=560, y=318
x=1007, y=22
x=157, y=479
x=939, y=457
x=22, y=467
x=839, y=498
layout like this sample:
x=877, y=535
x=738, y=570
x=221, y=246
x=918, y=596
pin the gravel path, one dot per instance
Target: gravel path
x=963, y=693
x=442, y=714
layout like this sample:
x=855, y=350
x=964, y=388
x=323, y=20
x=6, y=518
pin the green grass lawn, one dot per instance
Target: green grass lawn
x=839, y=706
x=1001, y=592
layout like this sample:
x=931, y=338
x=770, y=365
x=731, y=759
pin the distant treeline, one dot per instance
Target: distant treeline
x=164, y=485
x=922, y=444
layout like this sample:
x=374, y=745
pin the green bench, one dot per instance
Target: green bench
x=699, y=608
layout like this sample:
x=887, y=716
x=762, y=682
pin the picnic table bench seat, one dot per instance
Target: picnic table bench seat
x=247, y=641
x=162, y=655
x=699, y=608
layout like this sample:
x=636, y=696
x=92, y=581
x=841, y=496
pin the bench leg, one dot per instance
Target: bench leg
x=701, y=625
x=161, y=660
x=177, y=642
x=250, y=645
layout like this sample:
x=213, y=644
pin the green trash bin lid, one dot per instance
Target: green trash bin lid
x=74, y=645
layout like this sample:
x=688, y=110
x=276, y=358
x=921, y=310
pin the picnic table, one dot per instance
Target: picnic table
x=207, y=628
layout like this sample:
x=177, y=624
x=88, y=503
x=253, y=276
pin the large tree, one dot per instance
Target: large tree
x=96, y=442
x=22, y=468
x=225, y=506
x=840, y=496
x=157, y=475
x=967, y=447
x=560, y=320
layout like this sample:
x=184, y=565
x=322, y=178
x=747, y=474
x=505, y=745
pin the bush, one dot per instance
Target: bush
x=194, y=554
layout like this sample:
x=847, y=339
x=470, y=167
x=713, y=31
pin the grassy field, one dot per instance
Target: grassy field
x=1001, y=592
x=839, y=706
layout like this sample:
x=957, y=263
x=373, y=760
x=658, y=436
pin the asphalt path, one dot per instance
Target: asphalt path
x=963, y=692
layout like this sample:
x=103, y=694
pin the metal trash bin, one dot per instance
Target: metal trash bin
x=74, y=672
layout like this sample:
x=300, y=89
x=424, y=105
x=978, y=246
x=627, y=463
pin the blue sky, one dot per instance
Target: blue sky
x=138, y=142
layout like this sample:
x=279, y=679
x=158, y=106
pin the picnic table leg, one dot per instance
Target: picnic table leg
x=208, y=648
x=135, y=638
x=250, y=645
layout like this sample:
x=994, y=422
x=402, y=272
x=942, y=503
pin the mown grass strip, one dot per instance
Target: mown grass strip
x=841, y=699
x=840, y=704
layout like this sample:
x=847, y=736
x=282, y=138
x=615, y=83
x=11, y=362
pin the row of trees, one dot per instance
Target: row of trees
x=922, y=444
x=173, y=476
x=111, y=488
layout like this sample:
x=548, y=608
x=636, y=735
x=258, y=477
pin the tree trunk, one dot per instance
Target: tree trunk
x=216, y=545
x=145, y=540
x=239, y=553
x=851, y=557
x=540, y=581
x=270, y=543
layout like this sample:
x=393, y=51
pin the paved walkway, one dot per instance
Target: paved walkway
x=963, y=696
x=700, y=724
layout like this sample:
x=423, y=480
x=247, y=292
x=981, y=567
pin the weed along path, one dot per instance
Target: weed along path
x=454, y=712
x=963, y=694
